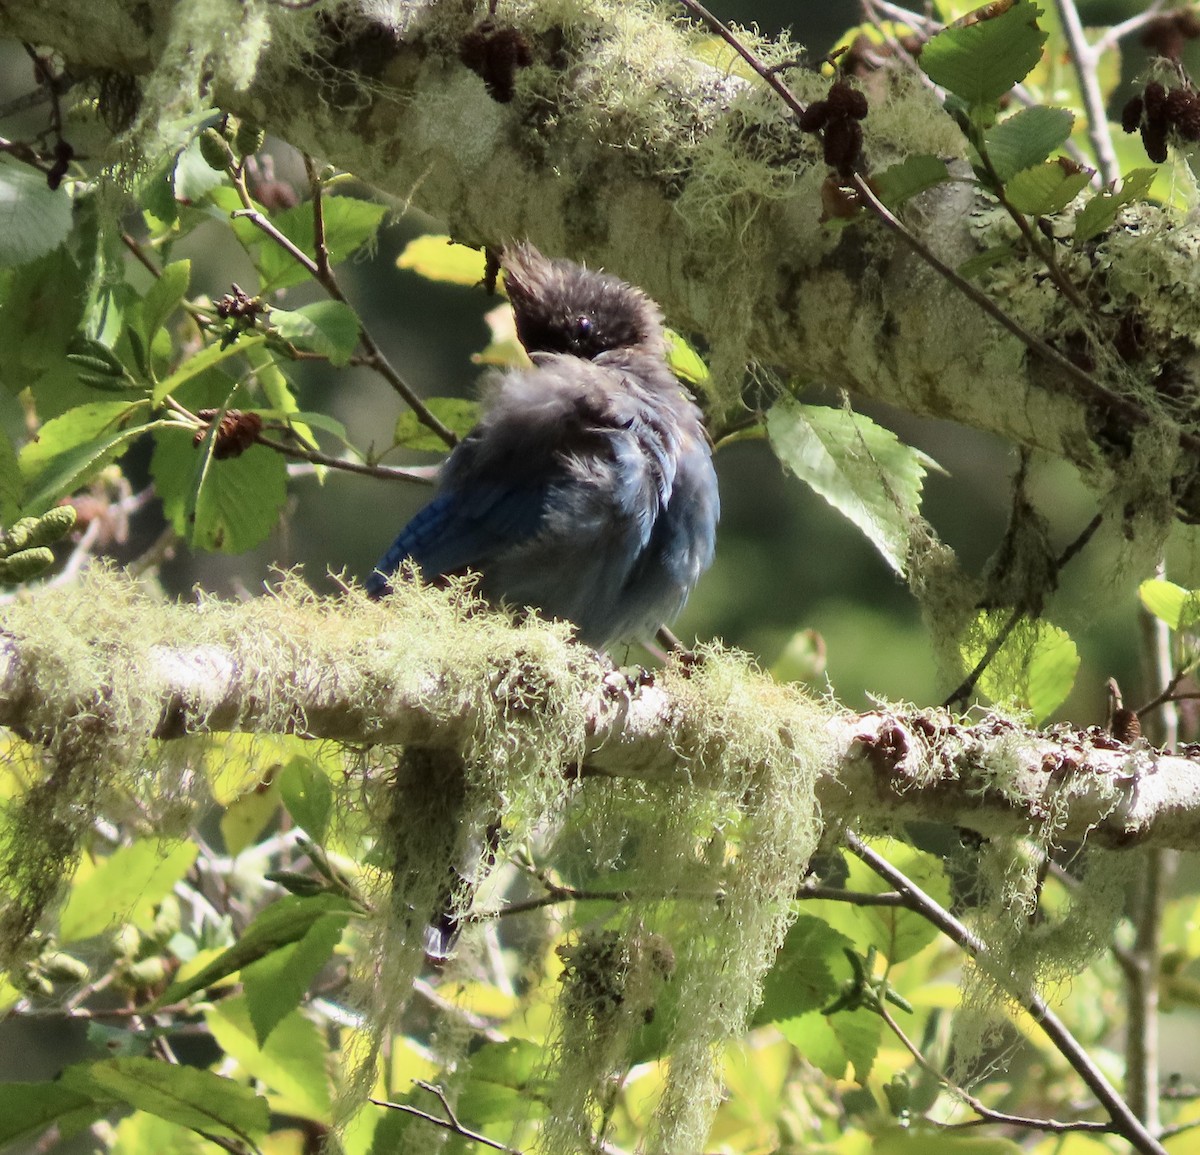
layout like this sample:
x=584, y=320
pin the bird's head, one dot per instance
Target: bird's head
x=562, y=307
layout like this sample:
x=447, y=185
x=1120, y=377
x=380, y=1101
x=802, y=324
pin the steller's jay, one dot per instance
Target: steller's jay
x=587, y=489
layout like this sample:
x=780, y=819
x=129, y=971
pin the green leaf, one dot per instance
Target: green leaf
x=142, y=1134
x=685, y=362
x=275, y=985
x=980, y=62
x=349, y=224
x=164, y=297
x=26, y=1108
x=1027, y=138
x=223, y=506
x=438, y=258
x=281, y=923
x=326, y=327
x=188, y=1096
x=193, y=178
x=34, y=219
x=204, y=360
x=863, y=470
x=813, y=1037
x=1034, y=669
x=125, y=887
x=308, y=795
x=453, y=412
x=860, y=1033
x=505, y=1081
x=1101, y=211
x=1046, y=188
x=292, y=1063
x=73, y=448
x=1170, y=603
x=11, y=484
x=802, y=977
x=898, y=182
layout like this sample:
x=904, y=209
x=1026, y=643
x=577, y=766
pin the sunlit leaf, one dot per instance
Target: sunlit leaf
x=1046, y=188
x=898, y=182
x=438, y=258
x=1102, y=209
x=281, y=923
x=292, y=1064
x=455, y=413
x=1027, y=138
x=863, y=470
x=1171, y=603
x=188, y=1096
x=125, y=887
x=981, y=61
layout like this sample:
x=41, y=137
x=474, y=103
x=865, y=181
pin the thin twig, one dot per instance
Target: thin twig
x=375, y=357
x=451, y=1123
x=986, y=1113
x=1124, y=1120
x=1086, y=59
x=419, y=474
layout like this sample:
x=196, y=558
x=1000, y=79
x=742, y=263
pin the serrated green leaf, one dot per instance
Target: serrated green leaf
x=164, y=297
x=125, y=887
x=456, y=414
x=802, y=977
x=813, y=1037
x=34, y=219
x=292, y=1064
x=863, y=470
x=307, y=795
x=1171, y=603
x=142, y=1134
x=281, y=923
x=505, y=1081
x=438, y=258
x=191, y=1097
x=1101, y=211
x=223, y=506
x=326, y=327
x=275, y=985
x=913, y=175
x=26, y=1108
x=860, y=1033
x=1045, y=188
x=1034, y=669
x=1027, y=138
x=72, y=448
x=980, y=62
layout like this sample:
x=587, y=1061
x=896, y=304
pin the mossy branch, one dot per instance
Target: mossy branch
x=105, y=664
x=609, y=137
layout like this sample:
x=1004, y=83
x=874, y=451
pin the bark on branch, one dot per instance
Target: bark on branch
x=429, y=669
x=603, y=134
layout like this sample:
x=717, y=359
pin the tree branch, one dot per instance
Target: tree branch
x=426, y=667
x=622, y=147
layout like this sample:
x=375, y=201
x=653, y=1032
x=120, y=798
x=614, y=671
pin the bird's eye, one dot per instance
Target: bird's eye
x=584, y=326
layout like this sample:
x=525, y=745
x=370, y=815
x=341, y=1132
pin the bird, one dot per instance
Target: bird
x=587, y=490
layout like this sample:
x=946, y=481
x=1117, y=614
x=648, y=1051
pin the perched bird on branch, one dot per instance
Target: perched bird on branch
x=587, y=489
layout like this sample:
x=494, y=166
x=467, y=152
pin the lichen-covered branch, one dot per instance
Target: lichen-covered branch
x=106, y=667
x=601, y=129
